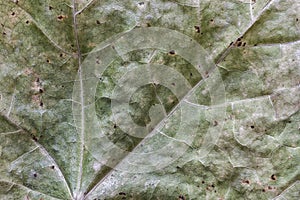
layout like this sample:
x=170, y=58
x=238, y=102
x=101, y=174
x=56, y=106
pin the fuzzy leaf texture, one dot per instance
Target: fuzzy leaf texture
x=153, y=99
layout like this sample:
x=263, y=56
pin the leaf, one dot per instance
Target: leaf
x=162, y=99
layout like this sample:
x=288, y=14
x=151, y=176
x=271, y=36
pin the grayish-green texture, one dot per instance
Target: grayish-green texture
x=44, y=153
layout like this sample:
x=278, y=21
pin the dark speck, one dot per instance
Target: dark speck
x=197, y=28
x=252, y=127
x=172, y=52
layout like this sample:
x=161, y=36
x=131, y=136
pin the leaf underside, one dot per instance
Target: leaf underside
x=48, y=152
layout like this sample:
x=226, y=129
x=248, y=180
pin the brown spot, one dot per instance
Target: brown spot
x=173, y=84
x=239, y=44
x=4, y=33
x=41, y=104
x=61, y=17
x=215, y=123
x=61, y=55
x=50, y=7
x=263, y=190
x=297, y=19
x=246, y=181
x=172, y=52
x=244, y=44
x=197, y=29
x=181, y=197
x=273, y=177
x=98, y=22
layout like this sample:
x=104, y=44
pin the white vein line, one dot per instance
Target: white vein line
x=226, y=52
x=47, y=155
x=160, y=124
x=283, y=192
x=251, y=12
x=12, y=132
x=11, y=103
x=24, y=187
x=81, y=142
x=85, y=7
x=171, y=138
x=23, y=155
x=45, y=32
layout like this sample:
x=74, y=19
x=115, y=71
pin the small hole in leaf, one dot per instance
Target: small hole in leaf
x=273, y=177
x=181, y=197
x=263, y=190
x=27, y=22
x=35, y=175
x=52, y=167
x=213, y=185
x=203, y=182
x=41, y=90
x=215, y=123
x=98, y=22
x=48, y=61
x=244, y=44
x=297, y=19
x=173, y=84
x=239, y=44
x=172, y=52
x=197, y=28
x=211, y=20
x=3, y=33
x=60, y=17
x=252, y=127
x=122, y=193
x=191, y=74
x=141, y=3
x=115, y=126
x=41, y=104
x=13, y=13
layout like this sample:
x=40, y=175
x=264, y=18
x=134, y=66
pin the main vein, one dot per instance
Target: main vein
x=82, y=128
